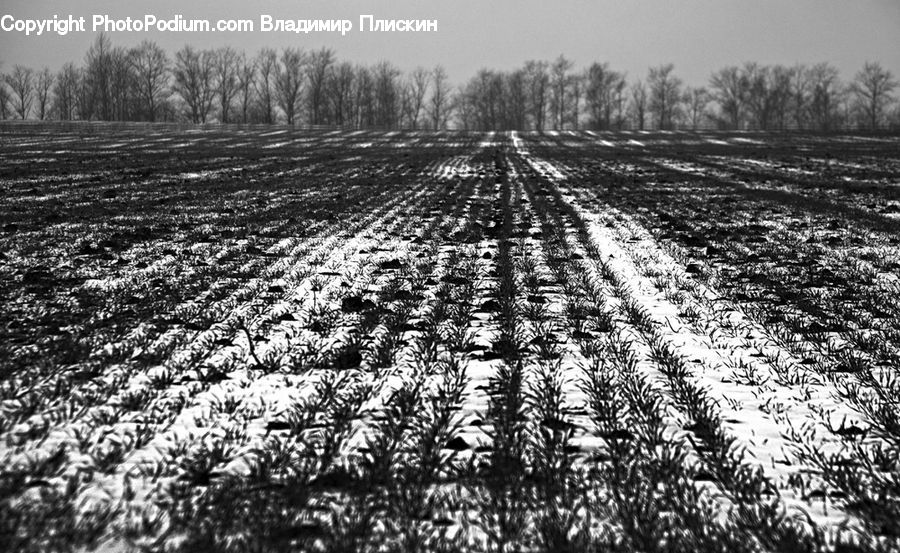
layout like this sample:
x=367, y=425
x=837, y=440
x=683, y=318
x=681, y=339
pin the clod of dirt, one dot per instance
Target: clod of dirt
x=623, y=435
x=558, y=425
x=84, y=375
x=543, y=340
x=356, y=304
x=301, y=532
x=582, y=335
x=347, y=359
x=442, y=521
x=816, y=327
x=456, y=279
x=393, y=264
x=406, y=295
x=695, y=428
x=490, y=306
x=278, y=425
x=851, y=364
x=36, y=276
x=333, y=479
x=457, y=444
x=851, y=431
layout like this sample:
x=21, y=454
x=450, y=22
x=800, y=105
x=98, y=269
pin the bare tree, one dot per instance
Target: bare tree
x=83, y=97
x=108, y=83
x=639, y=104
x=484, y=98
x=42, y=88
x=246, y=75
x=767, y=94
x=340, y=93
x=266, y=83
x=418, y=88
x=800, y=95
x=538, y=83
x=21, y=83
x=576, y=93
x=150, y=64
x=620, y=102
x=495, y=92
x=289, y=82
x=320, y=61
x=4, y=98
x=781, y=94
x=755, y=94
x=194, y=81
x=465, y=108
x=123, y=84
x=872, y=87
x=559, y=72
x=470, y=100
x=602, y=94
x=758, y=94
x=439, y=104
x=65, y=92
x=364, y=97
x=665, y=95
x=405, y=94
x=825, y=98
x=696, y=100
x=516, y=99
x=225, y=78
x=729, y=88
x=96, y=98
x=494, y=100
x=387, y=97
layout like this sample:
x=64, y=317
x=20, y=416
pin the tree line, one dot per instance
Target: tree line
x=550, y=95
x=298, y=87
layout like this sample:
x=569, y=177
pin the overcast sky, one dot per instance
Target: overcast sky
x=698, y=36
